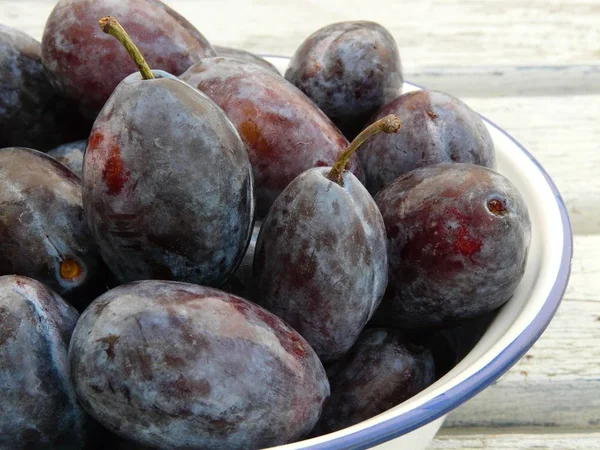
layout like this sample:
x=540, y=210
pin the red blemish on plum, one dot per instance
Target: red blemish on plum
x=95, y=140
x=114, y=174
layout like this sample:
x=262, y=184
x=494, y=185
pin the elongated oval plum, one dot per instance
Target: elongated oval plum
x=42, y=228
x=32, y=112
x=88, y=65
x=175, y=365
x=350, y=70
x=436, y=128
x=167, y=185
x=244, y=55
x=320, y=261
x=285, y=133
x=458, y=237
x=71, y=155
x=38, y=405
x=382, y=370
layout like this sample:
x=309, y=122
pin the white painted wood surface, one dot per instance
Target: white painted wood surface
x=531, y=67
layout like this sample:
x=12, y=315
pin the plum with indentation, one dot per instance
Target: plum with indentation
x=42, y=228
x=350, y=70
x=320, y=261
x=245, y=55
x=38, y=405
x=382, y=370
x=32, y=112
x=167, y=185
x=436, y=128
x=88, y=65
x=285, y=133
x=458, y=237
x=175, y=365
x=71, y=155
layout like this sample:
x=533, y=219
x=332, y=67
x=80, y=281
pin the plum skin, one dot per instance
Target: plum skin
x=38, y=406
x=175, y=365
x=87, y=65
x=458, y=238
x=320, y=261
x=284, y=132
x=436, y=128
x=382, y=370
x=350, y=70
x=42, y=223
x=167, y=192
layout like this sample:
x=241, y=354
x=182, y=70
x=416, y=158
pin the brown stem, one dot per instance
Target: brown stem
x=110, y=26
x=388, y=124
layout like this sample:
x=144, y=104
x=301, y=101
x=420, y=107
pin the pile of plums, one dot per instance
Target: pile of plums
x=194, y=256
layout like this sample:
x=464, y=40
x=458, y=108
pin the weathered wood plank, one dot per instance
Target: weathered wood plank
x=557, y=384
x=538, y=439
x=434, y=33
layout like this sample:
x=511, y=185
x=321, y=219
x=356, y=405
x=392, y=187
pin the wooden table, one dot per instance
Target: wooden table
x=531, y=67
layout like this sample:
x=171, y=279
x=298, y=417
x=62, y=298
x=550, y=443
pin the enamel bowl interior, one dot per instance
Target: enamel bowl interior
x=514, y=330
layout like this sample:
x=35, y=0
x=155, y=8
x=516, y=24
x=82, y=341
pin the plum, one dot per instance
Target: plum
x=382, y=370
x=320, y=261
x=242, y=281
x=285, y=133
x=167, y=185
x=71, y=155
x=88, y=66
x=436, y=128
x=32, y=113
x=176, y=365
x=458, y=236
x=350, y=70
x=245, y=56
x=38, y=405
x=42, y=228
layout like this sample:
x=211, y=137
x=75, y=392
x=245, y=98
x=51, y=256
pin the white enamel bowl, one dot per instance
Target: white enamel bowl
x=413, y=424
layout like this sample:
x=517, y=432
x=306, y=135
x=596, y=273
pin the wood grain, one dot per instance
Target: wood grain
x=434, y=33
x=536, y=439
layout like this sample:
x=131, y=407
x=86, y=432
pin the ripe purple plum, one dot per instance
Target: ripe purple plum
x=177, y=365
x=350, y=70
x=284, y=132
x=436, y=128
x=458, y=237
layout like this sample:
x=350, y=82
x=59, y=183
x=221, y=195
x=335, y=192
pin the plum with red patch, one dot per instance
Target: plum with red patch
x=38, y=406
x=382, y=370
x=320, y=261
x=285, y=133
x=176, y=365
x=350, y=70
x=88, y=65
x=458, y=236
x=167, y=185
x=436, y=128
x=42, y=228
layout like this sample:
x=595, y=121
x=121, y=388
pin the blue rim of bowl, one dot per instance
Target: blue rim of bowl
x=455, y=396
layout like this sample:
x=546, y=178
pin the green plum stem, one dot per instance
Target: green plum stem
x=111, y=26
x=388, y=124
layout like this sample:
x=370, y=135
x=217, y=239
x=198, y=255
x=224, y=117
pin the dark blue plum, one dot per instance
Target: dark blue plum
x=436, y=128
x=350, y=70
x=458, y=237
x=382, y=370
x=175, y=365
x=38, y=407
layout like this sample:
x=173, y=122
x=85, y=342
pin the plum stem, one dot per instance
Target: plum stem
x=388, y=124
x=111, y=26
